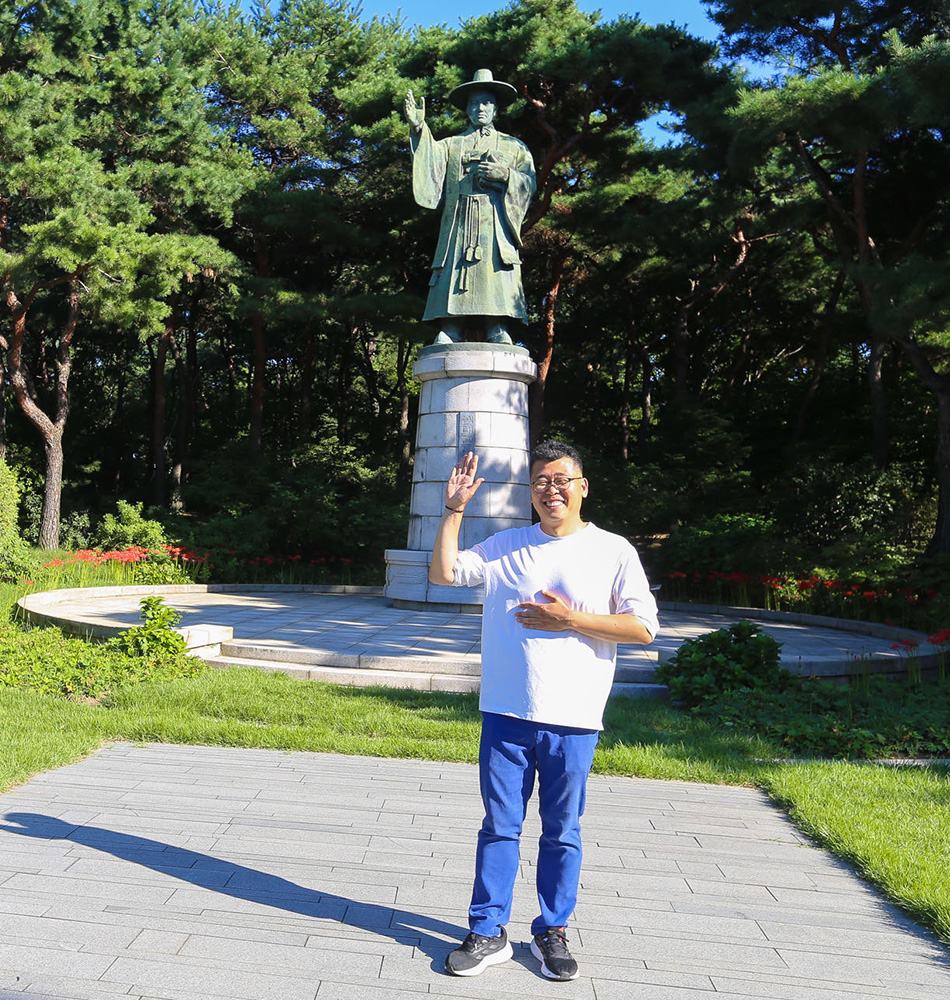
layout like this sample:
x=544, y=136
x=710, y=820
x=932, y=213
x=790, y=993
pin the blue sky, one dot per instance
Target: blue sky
x=684, y=13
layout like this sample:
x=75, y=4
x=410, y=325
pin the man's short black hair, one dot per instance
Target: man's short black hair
x=551, y=451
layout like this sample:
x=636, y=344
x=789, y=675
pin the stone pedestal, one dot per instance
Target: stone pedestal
x=474, y=397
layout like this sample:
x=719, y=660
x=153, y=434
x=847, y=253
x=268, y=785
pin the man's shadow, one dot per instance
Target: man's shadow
x=239, y=882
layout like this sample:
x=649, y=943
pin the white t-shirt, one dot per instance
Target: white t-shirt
x=554, y=678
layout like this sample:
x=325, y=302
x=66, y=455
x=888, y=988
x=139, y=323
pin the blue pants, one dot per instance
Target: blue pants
x=512, y=752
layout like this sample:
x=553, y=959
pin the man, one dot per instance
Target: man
x=559, y=596
x=483, y=180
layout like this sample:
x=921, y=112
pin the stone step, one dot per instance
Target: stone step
x=648, y=690
x=460, y=665
x=354, y=676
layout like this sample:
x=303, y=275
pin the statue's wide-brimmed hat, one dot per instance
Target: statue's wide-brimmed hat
x=483, y=80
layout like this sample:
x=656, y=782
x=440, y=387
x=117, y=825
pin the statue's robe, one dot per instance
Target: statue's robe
x=476, y=269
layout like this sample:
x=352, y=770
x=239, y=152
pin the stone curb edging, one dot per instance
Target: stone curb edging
x=882, y=662
x=205, y=639
x=766, y=614
x=200, y=640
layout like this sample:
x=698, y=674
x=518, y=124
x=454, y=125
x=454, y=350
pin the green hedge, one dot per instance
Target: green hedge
x=9, y=505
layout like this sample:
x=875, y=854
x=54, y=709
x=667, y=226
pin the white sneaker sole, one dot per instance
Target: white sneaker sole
x=486, y=962
x=545, y=971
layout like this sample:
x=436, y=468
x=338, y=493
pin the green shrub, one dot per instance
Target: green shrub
x=327, y=502
x=128, y=528
x=9, y=505
x=75, y=530
x=18, y=560
x=738, y=657
x=156, y=636
x=824, y=502
x=812, y=718
x=45, y=660
x=724, y=542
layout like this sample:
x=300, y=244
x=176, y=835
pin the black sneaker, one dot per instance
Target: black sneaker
x=550, y=948
x=476, y=953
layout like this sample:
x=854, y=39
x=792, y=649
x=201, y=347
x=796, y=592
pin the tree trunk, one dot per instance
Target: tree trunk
x=3, y=413
x=368, y=356
x=939, y=544
x=50, y=429
x=536, y=396
x=305, y=406
x=114, y=483
x=180, y=461
x=402, y=430
x=646, y=399
x=159, y=407
x=52, y=490
x=626, y=394
x=939, y=385
x=680, y=351
x=259, y=362
x=258, y=365
x=343, y=389
x=880, y=437
x=821, y=356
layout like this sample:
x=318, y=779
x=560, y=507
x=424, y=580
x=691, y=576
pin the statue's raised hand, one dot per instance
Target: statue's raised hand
x=415, y=113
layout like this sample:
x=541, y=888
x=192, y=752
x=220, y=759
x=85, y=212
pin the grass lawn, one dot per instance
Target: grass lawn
x=892, y=824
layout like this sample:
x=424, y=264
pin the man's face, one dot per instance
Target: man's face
x=559, y=509
x=481, y=108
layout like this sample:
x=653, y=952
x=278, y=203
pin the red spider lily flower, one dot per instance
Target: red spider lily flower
x=940, y=638
x=806, y=584
x=676, y=576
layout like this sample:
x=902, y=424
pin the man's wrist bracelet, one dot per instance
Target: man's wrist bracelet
x=455, y=510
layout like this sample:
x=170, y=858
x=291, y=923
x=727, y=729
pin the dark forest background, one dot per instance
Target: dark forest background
x=212, y=272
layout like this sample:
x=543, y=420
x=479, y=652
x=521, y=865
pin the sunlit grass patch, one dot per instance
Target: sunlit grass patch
x=892, y=823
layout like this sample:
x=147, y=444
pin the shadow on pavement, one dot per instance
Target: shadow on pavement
x=249, y=884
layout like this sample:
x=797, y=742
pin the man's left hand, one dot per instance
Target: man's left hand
x=552, y=617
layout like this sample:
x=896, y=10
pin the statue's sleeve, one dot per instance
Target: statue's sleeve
x=429, y=160
x=520, y=190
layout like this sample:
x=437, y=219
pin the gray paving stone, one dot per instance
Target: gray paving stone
x=793, y=990
x=62, y=988
x=835, y=967
x=30, y=960
x=691, y=954
x=68, y=935
x=260, y=906
x=188, y=979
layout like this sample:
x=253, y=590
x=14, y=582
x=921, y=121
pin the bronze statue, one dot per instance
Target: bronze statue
x=483, y=181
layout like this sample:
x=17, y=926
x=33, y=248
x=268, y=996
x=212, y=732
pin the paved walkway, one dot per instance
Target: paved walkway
x=191, y=873
x=365, y=625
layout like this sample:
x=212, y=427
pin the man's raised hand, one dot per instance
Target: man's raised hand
x=462, y=483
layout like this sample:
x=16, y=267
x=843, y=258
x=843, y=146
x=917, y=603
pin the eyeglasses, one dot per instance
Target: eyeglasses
x=558, y=482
